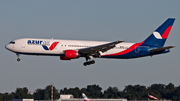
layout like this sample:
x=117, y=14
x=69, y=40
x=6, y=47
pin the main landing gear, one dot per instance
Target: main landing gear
x=89, y=62
x=18, y=59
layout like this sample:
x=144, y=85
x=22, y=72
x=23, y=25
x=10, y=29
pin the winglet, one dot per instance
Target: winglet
x=119, y=41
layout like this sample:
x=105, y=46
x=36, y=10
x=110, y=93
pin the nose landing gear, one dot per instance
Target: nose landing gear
x=18, y=59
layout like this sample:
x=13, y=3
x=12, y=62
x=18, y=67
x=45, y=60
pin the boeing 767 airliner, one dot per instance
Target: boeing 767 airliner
x=73, y=49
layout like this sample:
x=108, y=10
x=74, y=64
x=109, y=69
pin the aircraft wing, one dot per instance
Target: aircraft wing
x=161, y=49
x=100, y=48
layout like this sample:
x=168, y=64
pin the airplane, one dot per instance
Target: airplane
x=85, y=97
x=74, y=49
x=152, y=97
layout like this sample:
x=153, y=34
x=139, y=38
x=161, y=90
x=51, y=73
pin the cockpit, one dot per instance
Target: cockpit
x=10, y=45
x=12, y=42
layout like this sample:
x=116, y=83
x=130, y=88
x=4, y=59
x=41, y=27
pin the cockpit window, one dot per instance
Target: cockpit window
x=12, y=42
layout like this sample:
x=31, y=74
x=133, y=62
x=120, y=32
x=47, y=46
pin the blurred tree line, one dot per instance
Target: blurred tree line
x=130, y=92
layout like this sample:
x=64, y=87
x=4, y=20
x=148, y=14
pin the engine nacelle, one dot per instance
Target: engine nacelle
x=64, y=58
x=71, y=54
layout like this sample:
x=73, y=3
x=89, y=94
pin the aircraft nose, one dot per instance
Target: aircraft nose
x=7, y=47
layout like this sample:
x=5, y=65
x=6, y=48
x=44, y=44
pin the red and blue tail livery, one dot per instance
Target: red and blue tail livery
x=159, y=36
x=74, y=49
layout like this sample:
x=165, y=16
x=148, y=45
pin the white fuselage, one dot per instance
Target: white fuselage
x=72, y=49
x=34, y=46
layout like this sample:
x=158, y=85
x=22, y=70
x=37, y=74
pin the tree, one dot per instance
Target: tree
x=170, y=86
x=6, y=97
x=176, y=94
x=1, y=97
x=21, y=93
x=111, y=92
x=48, y=92
x=94, y=91
x=155, y=90
x=39, y=94
x=136, y=92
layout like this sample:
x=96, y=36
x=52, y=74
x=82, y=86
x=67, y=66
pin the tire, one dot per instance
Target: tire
x=85, y=64
x=92, y=62
x=18, y=59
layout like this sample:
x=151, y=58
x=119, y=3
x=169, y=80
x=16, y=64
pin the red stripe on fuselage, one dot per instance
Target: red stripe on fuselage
x=53, y=45
x=134, y=46
x=166, y=32
x=87, y=100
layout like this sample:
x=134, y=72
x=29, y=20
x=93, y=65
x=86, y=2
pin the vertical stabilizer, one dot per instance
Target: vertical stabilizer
x=85, y=97
x=159, y=36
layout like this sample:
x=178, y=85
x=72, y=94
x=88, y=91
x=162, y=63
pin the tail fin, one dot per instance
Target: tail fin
x=85, y=97
x=159, y=36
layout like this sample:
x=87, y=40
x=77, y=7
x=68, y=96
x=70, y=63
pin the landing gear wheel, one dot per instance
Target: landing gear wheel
x=92, y=62
x=89, y=63
x=18, y=59
x=85, y=64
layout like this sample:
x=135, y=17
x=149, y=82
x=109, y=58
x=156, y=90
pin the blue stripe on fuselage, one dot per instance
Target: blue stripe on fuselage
x=45, y=47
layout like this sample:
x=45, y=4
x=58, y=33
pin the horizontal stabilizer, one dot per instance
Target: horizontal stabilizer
x=161, y=49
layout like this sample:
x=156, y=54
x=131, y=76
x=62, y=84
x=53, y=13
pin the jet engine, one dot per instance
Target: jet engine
x=71, y=54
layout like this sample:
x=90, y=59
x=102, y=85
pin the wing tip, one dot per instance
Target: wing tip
x=119, y=41
x=173, y=46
